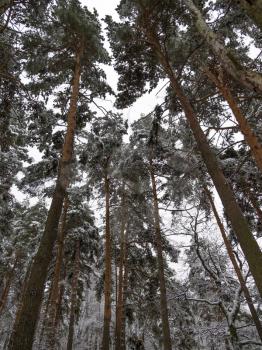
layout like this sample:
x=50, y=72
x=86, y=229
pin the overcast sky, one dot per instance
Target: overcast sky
x=103, y=7
x=146, y=103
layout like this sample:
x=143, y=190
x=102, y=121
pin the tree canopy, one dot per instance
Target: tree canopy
x=130, y=230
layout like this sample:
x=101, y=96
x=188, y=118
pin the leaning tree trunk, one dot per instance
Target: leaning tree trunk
x=250, y=137
x=119, y=304
x=244, y=235
x=70, y=338
x=248, y=78
x=235, y=265
x=254, y=10
x=107, y=282
x=240, y=226
x=55, y=291
x=160, y=261
x=22, y=336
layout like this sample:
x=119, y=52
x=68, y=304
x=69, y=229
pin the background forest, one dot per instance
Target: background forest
x=124, y=230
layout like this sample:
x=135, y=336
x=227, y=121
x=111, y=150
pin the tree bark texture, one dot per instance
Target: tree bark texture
x=108, y=268
x=125, y=289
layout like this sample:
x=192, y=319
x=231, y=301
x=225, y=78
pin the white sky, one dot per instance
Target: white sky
x=147, y=102
x=103, y=7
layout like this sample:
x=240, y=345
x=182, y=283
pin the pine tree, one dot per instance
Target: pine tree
x=248, y=78
x=121, y=241
x=151, y=23
x=75, y=25
x=105, y=139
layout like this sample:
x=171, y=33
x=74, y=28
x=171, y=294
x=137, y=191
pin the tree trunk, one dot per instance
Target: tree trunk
x=119, y=305
x=22, y=336
x=59, y=312
x=250, y=137
x=44, y=326
x=107, y=282
x=235, y=265
x=240, y=226
x=9, y=280
x=116, y=290
x=73, y=297
x=45, y=316
x=160, y=260
x=234, y=340
x=254, y=10
x=55, y=292
x=125, y=285
x=248, y=78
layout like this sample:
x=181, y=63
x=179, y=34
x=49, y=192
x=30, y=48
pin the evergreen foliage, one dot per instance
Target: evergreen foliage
x=112, y=235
